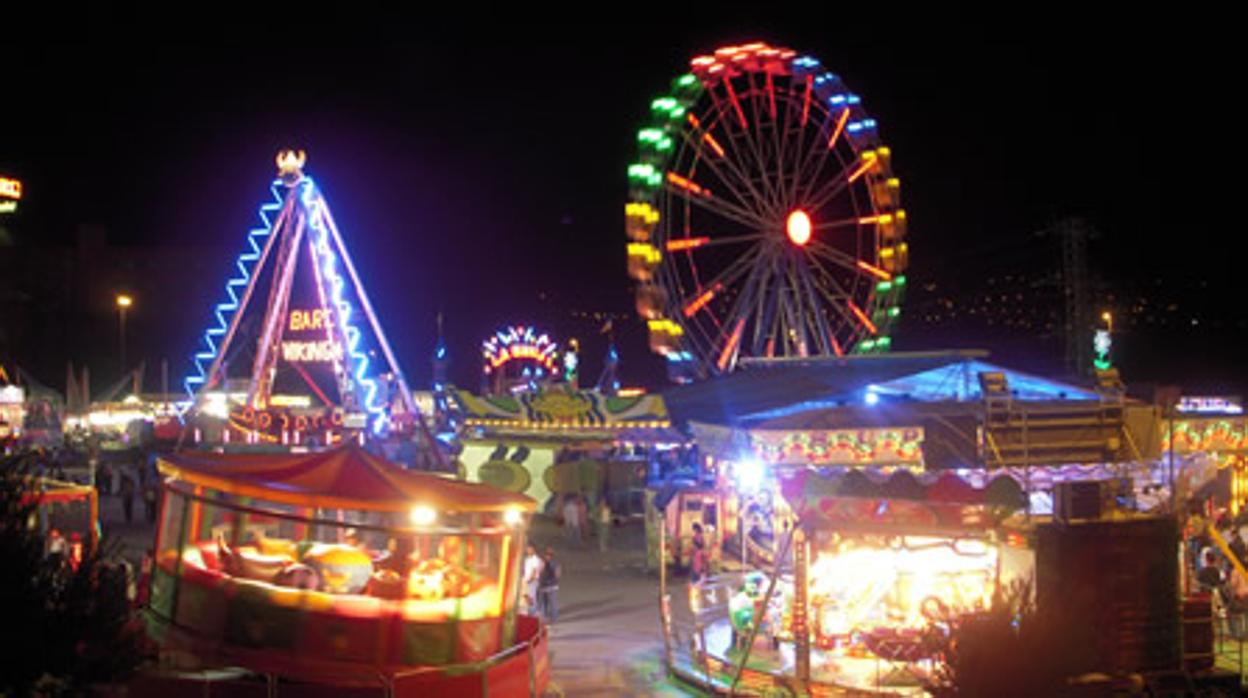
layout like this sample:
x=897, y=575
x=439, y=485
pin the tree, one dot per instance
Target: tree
x=65, y=628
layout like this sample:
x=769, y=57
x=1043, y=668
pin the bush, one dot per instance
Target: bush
x=64, y=628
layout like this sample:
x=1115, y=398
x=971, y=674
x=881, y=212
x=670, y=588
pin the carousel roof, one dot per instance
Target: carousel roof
x=342, y=478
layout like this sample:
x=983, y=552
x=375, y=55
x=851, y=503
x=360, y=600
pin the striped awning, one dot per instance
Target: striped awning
x=342, y=478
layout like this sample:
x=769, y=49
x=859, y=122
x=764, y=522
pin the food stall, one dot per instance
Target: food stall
x=68, y=517
x=340, y=568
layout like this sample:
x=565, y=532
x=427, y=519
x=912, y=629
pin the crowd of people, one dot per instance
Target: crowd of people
x=129, y=484
x=1213, y=571
x=542, y=570
x=577, y=524
x=541, y=584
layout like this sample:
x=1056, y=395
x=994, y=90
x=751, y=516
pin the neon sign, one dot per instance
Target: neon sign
x=1101, y=344
x=270, y=424
x=516, y=343
x=303, y=352
x=8, y=206
x=246, y=266
x=1211, y=405
x=303, y=320
x=10, y=188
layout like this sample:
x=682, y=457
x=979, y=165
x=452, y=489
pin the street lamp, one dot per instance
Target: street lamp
x=123, y=304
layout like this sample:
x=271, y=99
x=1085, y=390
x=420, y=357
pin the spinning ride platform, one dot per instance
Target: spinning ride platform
x=340, y=569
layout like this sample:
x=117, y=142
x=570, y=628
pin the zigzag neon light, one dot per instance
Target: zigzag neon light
x=329, y=273
x=224, y=311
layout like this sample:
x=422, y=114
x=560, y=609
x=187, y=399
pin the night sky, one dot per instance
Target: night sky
x=481, y=173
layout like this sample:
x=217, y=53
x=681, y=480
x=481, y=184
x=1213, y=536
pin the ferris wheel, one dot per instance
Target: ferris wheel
x=763, y=218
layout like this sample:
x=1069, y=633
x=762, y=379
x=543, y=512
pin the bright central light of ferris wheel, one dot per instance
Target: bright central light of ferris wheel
x=798, y=227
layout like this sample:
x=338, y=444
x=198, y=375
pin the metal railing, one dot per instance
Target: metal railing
x=1230, y=634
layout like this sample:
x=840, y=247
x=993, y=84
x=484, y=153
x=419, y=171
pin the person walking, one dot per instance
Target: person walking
x=584, y=528
x=149, y=501
x=697, y=560
x=127, y=497
x=1237, y=545
x=103, y=481
x=548, y=585
x=143, y=585
x=532, y=575
x=604, y=526
x=571, y=518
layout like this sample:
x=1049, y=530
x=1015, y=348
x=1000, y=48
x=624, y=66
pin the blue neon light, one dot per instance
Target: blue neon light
x=225, y=310
x=310, y=198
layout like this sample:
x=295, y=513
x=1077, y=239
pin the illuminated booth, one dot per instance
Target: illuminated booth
x=339, y=567
x=860, y=573
x=68, y=516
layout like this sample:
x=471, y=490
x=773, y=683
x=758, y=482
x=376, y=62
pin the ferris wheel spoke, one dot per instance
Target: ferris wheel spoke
x=847, y=176
x=716, y=284
x=705, y=199
x=846, y=223
x=727, y=158
x=739, y=311
x=810, y=305
x=756, y=98
x=820, y=328
x=730, y=180
x=782, y=309
x=779, y=128
x=851, y=312
x=696, y=243
x=837, y=296
x=795, y=138
x=810, y=84
x=764, y=308
x=723, y=119
x=793, y=307
x=750, y=149
x=817, y=155
x=795, y=130
x=839, y=257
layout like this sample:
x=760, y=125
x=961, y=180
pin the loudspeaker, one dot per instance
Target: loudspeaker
x=1082, y=501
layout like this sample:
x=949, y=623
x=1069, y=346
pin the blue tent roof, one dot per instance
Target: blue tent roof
x=770, y=390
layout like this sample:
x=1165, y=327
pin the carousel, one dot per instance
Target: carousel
x=340, y=569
